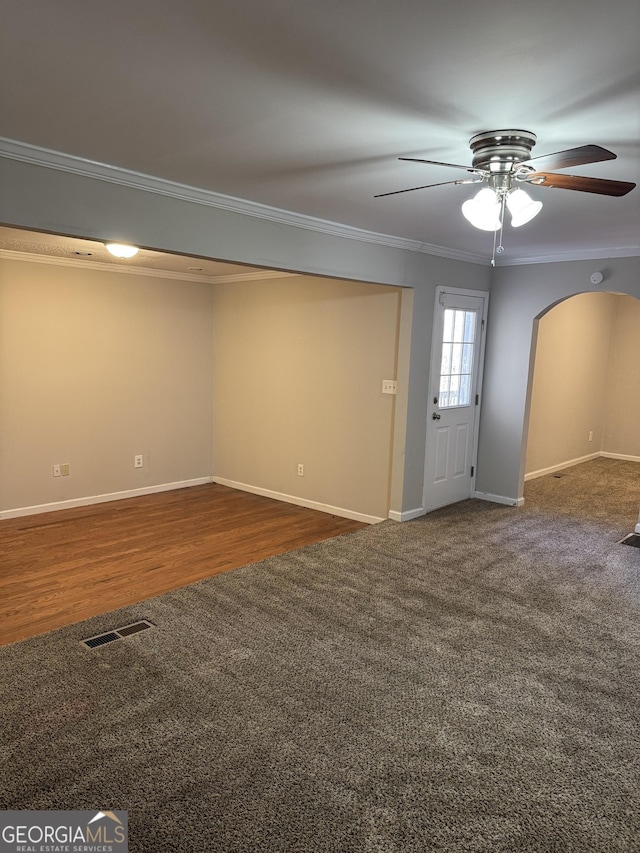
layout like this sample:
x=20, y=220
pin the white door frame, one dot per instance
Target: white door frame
x=435, y=346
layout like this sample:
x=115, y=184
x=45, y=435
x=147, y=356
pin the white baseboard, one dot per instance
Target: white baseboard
x=542, y=472
x=407, y=515
x=624, y=456
x=532, y=475
x=98, y=499
x=498, y=499
x=292, y=499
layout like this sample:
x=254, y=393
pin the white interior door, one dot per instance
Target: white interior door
x=452, y=426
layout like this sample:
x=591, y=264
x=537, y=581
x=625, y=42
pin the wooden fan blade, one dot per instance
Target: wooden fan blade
x=425, y=187
x=577, y=182
x=438, y=163
x=571, y=157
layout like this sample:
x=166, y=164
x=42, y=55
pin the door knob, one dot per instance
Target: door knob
x=435, y=416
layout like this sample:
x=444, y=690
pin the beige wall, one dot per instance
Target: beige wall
x=584, y=378
x=96, y=367
x=622, y=419
x=299, y=364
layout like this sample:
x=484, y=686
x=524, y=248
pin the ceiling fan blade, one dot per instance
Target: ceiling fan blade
x=425, y=187
x=571, y=157
x=438, y=163
x=577, y=182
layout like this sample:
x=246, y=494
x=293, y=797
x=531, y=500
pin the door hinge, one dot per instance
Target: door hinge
x=472, y=469
x=482, y=325
x=477, y=398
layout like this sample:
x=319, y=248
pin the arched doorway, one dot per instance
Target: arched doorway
x=585, y=391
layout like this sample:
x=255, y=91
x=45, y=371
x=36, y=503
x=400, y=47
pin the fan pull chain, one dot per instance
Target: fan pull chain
x=499, y=249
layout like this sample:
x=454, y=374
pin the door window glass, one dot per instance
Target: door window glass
x=457, y=357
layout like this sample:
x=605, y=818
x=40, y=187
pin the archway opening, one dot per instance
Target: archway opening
x=585, y=392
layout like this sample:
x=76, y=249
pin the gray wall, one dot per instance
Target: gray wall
x=519, y=295
x=49, y=199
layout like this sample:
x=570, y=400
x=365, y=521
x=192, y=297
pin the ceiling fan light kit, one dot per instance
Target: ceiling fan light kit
x=522, y=207
x=483, y=210
x=502, y=162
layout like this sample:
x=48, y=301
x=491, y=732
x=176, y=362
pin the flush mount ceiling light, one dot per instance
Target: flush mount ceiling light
x=502, y=162
x=119, y=250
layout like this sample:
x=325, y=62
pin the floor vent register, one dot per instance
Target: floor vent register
x=116, y=634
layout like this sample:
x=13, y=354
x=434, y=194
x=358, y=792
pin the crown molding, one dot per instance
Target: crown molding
x=13, y=149
x=24, y=152
x=600, y=254
x=99, y=266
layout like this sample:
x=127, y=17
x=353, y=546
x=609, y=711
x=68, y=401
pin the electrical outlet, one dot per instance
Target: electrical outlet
x=300, y=469
x=65, y=469
x=57, y=471
x=590, y=435
x=389, y=386
x=138, y=461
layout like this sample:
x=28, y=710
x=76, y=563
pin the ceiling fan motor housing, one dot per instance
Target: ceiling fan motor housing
x=498, y=150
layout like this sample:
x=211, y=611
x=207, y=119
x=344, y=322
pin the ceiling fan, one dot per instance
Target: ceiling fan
x=502, y=162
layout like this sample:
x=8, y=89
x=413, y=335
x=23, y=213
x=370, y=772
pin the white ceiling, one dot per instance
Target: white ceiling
x=306, y=106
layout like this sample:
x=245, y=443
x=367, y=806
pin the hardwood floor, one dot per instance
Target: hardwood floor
x=61, y=567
